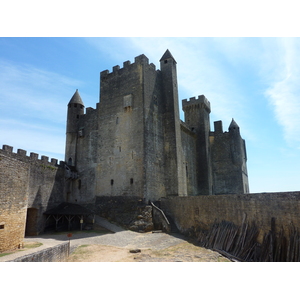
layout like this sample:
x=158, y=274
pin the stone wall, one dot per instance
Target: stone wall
x=13, y=202
x=46, y=190
x=129, y=212
x=188, y=140
x=228, y=157
x=58, y=253
x=200, y=212
x=28, y=187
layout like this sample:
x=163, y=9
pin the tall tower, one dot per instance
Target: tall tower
x=196, y=112
x=239, y=158
x=75, y=110
x=175, y=173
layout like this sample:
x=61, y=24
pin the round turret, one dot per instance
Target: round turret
x=233, y=127
x=75, y=110
x=76, y=99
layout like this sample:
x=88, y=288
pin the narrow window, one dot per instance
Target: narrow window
x=75, y=104
x=166, y=61
x=120, y=149
x=2, y=226
x=77, y=116
x=70, y=161
x=117, y=120
x=79, y=184
x=131, y=180
x=111, y=182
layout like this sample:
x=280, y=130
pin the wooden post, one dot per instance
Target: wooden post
x=81, y=222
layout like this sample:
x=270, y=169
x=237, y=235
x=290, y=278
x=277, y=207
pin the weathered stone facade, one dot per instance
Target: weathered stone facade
x=200, y=212
x=132, y=150
x=29, y=186
x=132, y=147
x=14, y=199
x=134, y=143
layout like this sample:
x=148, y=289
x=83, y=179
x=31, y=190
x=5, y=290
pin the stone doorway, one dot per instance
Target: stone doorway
x=31, y=222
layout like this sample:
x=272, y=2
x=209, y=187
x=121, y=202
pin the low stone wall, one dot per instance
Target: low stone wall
x=58, y=253
x=200, y=212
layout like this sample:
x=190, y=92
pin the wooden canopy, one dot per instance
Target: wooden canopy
x=69, y=211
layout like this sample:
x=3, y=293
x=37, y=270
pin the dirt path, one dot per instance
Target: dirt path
x=182, y=252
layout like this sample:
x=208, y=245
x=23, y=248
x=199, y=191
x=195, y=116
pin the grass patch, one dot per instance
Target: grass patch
x=82, y=246
x=31, y=245
x=80, y=252
x=3, y=254
x=27, y=245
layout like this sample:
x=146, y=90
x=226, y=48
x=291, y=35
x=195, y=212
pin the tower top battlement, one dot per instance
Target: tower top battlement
x=200, y=102
x=127, y=65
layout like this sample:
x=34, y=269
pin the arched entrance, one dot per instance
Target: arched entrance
x=31, y=222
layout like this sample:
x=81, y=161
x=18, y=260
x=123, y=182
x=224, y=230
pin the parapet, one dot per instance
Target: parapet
x=21, y=155
x=200, y=102
x=218, y=126
x=127, y=65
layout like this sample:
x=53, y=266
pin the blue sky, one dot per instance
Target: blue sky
x=253, y=80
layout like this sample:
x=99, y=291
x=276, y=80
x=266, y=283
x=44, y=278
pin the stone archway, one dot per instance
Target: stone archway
x=31, y=222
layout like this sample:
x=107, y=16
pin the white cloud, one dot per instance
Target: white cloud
x=283, y=92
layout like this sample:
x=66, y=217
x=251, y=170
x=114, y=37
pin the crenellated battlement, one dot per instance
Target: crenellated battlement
x=127, y=66
x=200, y=102
x=33, y=157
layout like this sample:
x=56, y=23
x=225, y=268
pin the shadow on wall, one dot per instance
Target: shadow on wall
x=46, y=190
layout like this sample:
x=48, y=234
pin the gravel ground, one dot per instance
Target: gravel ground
x=113, y=243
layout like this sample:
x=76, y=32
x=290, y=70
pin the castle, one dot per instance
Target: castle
x=128, y=152
x=134, y=162
x=134, y=143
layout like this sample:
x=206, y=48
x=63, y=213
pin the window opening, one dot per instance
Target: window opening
x=2, y=226
x=131, y=180
x=111, y=182
x=79, y=184
x=166, y=61
x=70, y=161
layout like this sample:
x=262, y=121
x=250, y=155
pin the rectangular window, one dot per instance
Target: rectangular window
x=111, y=182
x=1, y=226
x=131, y=180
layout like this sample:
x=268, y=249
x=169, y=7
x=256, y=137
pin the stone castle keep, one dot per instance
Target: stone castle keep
x=133, y=161
x=134, y=143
